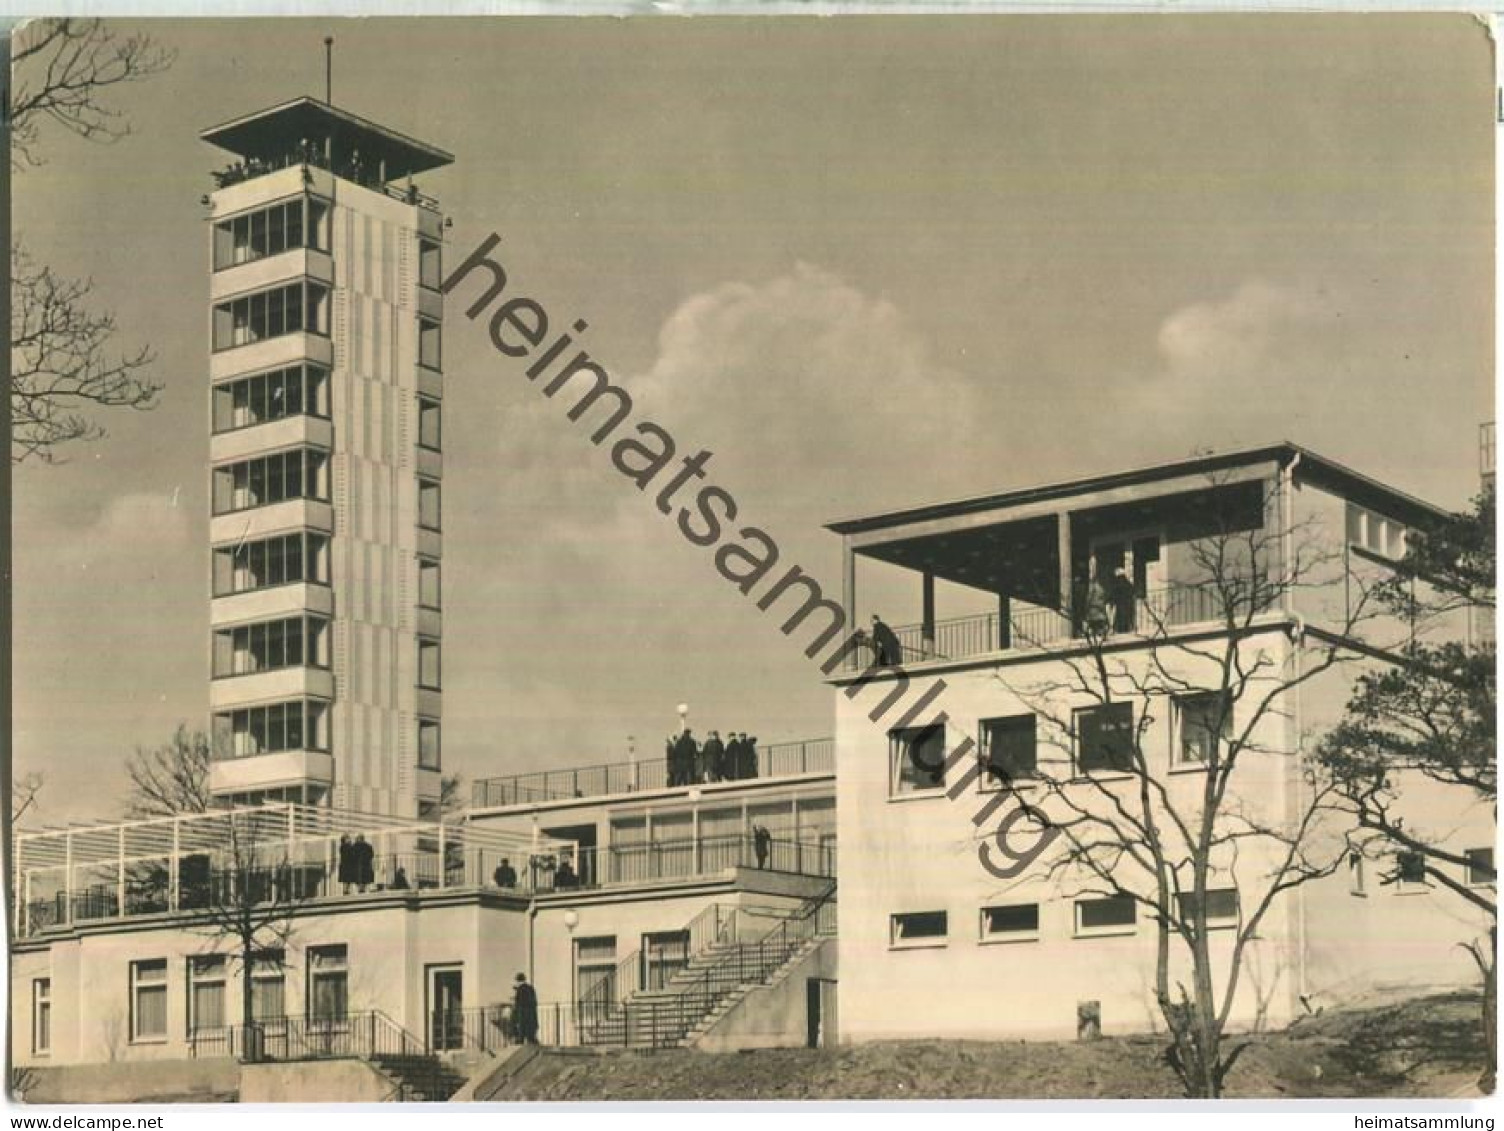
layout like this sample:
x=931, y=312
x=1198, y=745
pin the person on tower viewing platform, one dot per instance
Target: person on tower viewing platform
x=748, y=756
x=731, y=760
x=505, y=875
x=686, y=750
x=888, y=651
x=714, y=756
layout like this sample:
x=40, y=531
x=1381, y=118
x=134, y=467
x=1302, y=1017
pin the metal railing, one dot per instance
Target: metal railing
x=786, y=759
x=686, y=859
x=425, y=870
x=368, y=1035
x=254, y=167
x=980, y=634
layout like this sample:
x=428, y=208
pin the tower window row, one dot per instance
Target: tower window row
x=289, y=224
x=282, y=560
x=300, y=473
x=292, y=642
x=289, y=309
x=301, y=724
x=300, y=390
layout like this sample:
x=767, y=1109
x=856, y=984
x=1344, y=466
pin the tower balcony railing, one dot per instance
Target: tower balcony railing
x=311, y=157
x=781, y=760
x=1176, y=606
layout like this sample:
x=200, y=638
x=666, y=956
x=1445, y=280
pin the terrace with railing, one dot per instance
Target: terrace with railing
x=782, y=760
x=200, y=863
x=288, y=855
x=1172, y=607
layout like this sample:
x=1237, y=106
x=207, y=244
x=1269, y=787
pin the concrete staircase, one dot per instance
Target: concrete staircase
x=711, y=984
x=739, y=994
x=420, y=1078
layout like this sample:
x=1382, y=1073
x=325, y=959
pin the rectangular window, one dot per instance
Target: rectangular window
x=1480, y=866
x=918, y=928
x=1221, y=908
x=429, y=511
x=268, y=985
x=328, y=983
x=41, y=1015
x=430, y=591
x=1410, y=870
x=428, y=424
x=1017, y=922
x=1112, y=915
x=1009, y=751
x=295, y=474
x=281, y=560
x=268, y=646
x=595, y=969
x=663, y=954
x=149, y=1000
x=1105, y=739
x=430, y=264
x=428, y=744
x=428, y=664
x=268, y=231
x=295, y=725
x=1373, y=532
x=917, y=759
x=1203, y=723
x=206, y=993
x=265, y=397
x=269, y=314
x=430, y=348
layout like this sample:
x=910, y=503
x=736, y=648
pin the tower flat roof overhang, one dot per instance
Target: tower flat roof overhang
x=270, y=133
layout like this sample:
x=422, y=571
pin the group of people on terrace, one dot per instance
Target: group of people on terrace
x=693, y=763
x=351, y=167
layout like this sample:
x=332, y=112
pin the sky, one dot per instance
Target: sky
x=866, y=262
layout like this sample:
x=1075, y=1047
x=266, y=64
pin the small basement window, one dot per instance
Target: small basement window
x=1014, y=922
x=919, y=928
x=1480, y=866
x=1109, y=915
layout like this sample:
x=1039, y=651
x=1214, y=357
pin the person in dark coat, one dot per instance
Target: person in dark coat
x=762, y=841
x=346, y=872
x=1095, y=600
x=399, y=879
x=365, y=862
x=525, y=1011
x=668, y=762
x=685, y=752
x=732, y=758
x=564, y=877
x=885, y=643
x=714, y=753
x=748, y=756
x=505, y=875
x=1122, y=597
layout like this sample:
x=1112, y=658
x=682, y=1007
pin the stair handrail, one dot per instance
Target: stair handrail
x=713, y=923
x=716, y=981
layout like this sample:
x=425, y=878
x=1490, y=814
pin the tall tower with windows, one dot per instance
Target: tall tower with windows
x=326, y=394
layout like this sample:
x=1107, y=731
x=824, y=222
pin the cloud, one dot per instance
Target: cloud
x=1247, y=367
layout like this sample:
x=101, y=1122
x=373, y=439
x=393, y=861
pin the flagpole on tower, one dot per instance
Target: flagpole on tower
x=329, y=70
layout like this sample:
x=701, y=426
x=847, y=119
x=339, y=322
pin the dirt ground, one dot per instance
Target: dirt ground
x=1426, y=1047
